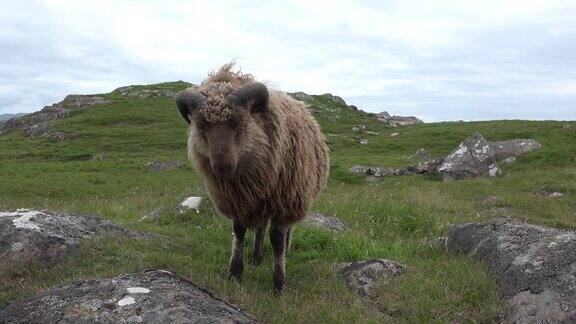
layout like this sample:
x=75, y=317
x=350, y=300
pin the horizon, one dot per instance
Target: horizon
x=447, y=61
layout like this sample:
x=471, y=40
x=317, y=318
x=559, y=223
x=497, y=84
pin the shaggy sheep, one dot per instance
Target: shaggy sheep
x=262, y=156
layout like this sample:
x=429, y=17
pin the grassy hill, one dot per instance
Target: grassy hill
x=102, y=170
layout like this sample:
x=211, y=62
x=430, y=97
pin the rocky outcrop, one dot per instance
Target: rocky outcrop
x=142, y=92
x=472, y=158
x=40, y=123
x=423, y=155
x=47, y=237
x=325, y=221
x=158, y=166
x=397, y=121
x=335, y=99
x=535, y=267
x=515, y=147
x=156, y=296
x=362, y=276
x=300, y=96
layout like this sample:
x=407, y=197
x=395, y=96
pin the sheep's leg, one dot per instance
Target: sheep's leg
x=278, y=240
x=236, y=261
x=257, y=254
x=288, y=240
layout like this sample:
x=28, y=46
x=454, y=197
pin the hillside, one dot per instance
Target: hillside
x=5, y=117
x=102, y=169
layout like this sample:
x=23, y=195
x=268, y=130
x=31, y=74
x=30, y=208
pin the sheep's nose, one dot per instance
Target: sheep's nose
x=223, y=171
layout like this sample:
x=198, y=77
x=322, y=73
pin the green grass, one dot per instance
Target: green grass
x=395, y=218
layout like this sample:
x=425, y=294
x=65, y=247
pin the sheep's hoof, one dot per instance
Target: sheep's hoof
x=279, y=288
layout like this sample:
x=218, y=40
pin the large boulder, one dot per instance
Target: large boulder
x=472, y=158
x=151, y=297
x=535, y=267
x=47, y=237
x=397, y=121
x=515, y=147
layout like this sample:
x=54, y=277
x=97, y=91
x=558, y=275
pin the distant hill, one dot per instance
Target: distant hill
x=5, y=117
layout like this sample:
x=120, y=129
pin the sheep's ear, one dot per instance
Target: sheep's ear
x=253, y=94
x=188, y=101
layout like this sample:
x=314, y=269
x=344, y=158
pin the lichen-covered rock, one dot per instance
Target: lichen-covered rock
x=362, y=276
x=47, y=237
x=397, y=121
x=423, y=155
x=164, y=166
x=151, y=297
x=142, y=92
x=472, y=158
x=300, y=96
x=325, y=221
x=535, y=266
x=515, y=147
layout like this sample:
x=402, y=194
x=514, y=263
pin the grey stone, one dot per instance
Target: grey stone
x=164, y=166
x=325, y=221
x=335, y=99
x=394, y=134
x=358, y=170
x=535, y=266
x=363, y=141
x=300, y=96
x=509, y=160
x=372, y=133
x=515, y=147
x=362, y=276
x=423, y=155
x=397, y=121
x=430, y=166
x=155, y=296
x=472, y=158
x=142, y=92
x=48, y=237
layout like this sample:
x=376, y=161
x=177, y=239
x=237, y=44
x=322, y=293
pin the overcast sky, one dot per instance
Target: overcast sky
x=438, y=60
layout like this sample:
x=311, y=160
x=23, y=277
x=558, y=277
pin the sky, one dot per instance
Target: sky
x=438, y=60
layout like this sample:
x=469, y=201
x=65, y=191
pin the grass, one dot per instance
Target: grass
x=395, y=218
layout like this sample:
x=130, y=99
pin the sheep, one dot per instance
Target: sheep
x=262, y=156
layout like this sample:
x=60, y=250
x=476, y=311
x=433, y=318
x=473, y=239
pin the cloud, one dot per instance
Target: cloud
x=441, y=60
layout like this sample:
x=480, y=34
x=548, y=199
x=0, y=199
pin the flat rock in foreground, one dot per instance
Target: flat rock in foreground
x=535, y=267
x=152, y=297
x=362, y=276
x=47, y=237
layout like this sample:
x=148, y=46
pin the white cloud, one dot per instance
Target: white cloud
x=446, y=59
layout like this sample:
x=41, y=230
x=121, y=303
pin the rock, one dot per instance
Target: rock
x=423, y=155
x=509, y=160
x=473, y=158
x=300, y=96
x=358, y=170
x=48, y=237
x=325, y=221
x=191, y=203
x=362, y=276
x=39, y=123
x=60, y=136
x=566, y=126
x=550, y=193
x=372, y=133
x=156, y=214
x=359, y=128
x=535, y=266
x=164, y=166
x=394, y=134
x=372, y=178
x=363, y=141
x=143, y=92
x=430, y=166
x=397, y=121
x=156, y=296
x=335, y=99
x=505, y=149
x=355, y=129
x=353, y=107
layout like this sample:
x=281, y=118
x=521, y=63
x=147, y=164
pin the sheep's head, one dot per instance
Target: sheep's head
x=220, y=120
